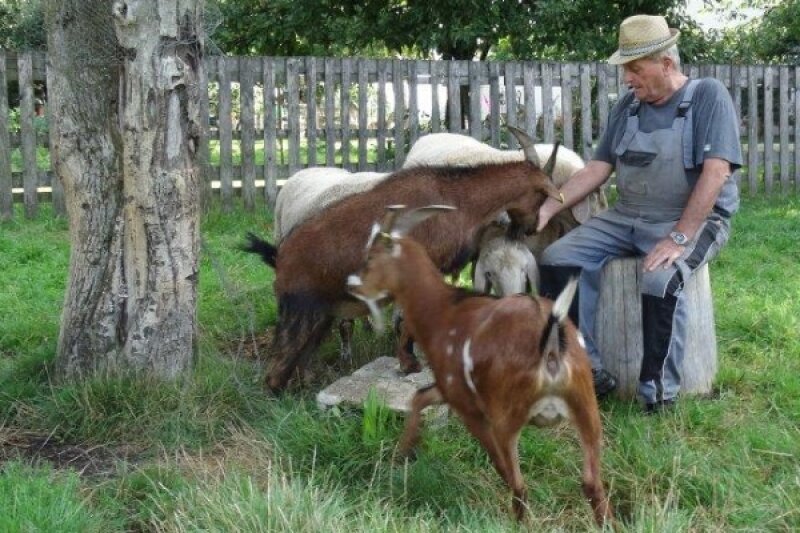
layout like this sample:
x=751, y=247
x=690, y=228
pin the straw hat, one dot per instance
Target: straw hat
x=642, y=35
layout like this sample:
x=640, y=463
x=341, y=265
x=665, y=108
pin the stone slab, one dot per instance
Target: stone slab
x=392, y=387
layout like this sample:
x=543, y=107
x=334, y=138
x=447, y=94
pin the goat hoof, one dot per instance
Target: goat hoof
x=409, y=454
x=275, y=385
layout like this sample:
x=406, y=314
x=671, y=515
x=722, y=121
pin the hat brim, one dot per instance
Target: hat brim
x=618, y=58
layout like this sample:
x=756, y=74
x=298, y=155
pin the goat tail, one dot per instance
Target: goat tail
x=564, y=301
x=552, y=341
x=256, y=245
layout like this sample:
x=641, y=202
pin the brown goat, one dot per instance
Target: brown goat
x=313, y=262
x=499, y=363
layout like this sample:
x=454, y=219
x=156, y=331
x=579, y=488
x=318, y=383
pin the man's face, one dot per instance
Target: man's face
x=648, y=78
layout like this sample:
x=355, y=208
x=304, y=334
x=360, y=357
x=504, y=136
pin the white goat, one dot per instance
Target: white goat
x=309, y=191
x=505, y=266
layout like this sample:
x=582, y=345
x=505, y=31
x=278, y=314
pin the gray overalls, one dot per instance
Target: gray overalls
x=653, y=191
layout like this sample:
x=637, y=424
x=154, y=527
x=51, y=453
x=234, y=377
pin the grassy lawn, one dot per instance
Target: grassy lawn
x=215, y=453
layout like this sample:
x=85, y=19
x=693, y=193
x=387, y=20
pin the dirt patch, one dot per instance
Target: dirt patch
x=90, y=461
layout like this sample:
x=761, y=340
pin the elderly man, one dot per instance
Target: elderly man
x=674, y=145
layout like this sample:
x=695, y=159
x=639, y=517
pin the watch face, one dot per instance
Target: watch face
x=678, y=237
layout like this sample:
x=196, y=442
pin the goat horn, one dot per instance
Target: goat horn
x=404, y=223
x=551, y=162
x=390, y=216
x=527, y=144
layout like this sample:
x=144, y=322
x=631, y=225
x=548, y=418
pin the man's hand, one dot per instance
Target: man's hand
x=663, y=255
x=549, y=208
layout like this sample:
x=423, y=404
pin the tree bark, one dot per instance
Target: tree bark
x=127, y=122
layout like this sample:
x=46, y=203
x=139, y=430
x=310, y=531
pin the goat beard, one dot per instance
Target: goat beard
x=374, y=310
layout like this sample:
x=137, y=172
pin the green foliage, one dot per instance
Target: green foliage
x=376, y=420
x=22, y=25
x=289, y=27
x=583, y=29
x=775, y=37
x=545, y=29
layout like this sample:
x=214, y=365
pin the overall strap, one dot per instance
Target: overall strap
x=631, y=127
x=684, y=113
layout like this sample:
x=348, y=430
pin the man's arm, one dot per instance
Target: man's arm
x=579, y=186
x=701, y=201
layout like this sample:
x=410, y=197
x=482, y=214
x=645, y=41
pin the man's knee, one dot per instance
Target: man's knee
x=557, y=254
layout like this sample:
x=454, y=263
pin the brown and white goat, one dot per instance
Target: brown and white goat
x=499, y=363
x=313, y=262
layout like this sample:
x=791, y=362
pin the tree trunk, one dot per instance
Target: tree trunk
x=127, y=122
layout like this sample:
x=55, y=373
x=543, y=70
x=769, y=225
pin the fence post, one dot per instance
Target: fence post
x=28, y=135
x=6, y=196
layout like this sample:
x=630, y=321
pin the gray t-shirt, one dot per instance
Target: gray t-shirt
x=715, y=131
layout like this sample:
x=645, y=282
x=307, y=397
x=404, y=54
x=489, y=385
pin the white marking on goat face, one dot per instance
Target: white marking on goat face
x=548, y=410
x=469, y=366
x=353, y=280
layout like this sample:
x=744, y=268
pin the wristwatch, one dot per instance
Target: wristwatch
x=679, y=238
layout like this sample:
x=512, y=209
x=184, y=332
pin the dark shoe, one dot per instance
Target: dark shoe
x=659, y=406
x=604, y=382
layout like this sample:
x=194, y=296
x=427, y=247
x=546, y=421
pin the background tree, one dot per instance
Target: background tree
x=130, y=179
x=451, y=29
x=772, y=37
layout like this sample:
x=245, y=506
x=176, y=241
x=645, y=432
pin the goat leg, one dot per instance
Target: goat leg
x=508, y=447
x=504, y=440
x=587, y=420
x=409, y=364
x=424, y=397
x=504, y=455
x=293, y=345
x=346, y=326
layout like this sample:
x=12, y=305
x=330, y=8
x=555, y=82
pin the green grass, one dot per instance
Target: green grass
x=212, y=452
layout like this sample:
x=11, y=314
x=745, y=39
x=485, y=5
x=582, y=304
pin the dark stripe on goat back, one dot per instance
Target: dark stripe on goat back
x=552, y=322
x=256, y=245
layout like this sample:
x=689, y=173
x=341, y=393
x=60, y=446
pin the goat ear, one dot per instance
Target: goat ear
x=527, y=144
x=389, y=217
x=406, y=221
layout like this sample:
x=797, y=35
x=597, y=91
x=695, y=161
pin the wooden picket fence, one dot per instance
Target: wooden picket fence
x=364, y=114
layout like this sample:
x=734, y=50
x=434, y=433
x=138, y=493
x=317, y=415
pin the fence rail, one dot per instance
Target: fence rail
x=268, y=117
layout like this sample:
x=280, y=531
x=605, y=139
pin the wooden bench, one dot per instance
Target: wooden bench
x=619, y=328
